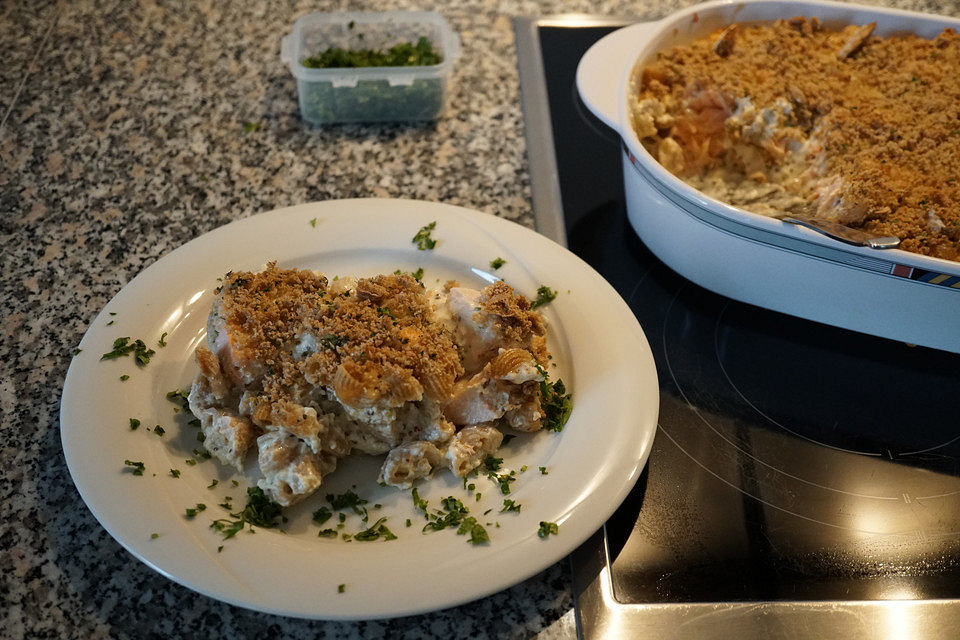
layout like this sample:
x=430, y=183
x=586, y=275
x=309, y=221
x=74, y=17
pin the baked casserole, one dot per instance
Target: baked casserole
x=794, y=118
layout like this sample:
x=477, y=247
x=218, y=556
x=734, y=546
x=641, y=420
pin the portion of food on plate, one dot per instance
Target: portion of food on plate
x=307, y=370
x=794, y=118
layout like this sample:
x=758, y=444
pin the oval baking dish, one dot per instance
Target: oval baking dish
x=749, y=257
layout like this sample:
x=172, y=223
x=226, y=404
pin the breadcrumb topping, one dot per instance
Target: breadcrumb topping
x=376, y=343
x=515, y=320
x=884, y=110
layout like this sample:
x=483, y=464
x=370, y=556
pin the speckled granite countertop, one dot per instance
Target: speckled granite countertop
x=122, y=136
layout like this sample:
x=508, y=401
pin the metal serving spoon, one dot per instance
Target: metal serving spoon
x=846, y=234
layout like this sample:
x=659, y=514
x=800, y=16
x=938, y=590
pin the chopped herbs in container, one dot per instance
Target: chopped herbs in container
x=372, y=70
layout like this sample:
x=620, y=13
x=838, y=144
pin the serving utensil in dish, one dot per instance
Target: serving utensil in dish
x=764, y=261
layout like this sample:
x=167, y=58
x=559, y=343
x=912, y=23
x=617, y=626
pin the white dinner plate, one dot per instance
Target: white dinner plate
x=599, y=349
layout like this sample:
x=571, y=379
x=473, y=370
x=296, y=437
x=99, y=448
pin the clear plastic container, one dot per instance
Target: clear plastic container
x=370, y=94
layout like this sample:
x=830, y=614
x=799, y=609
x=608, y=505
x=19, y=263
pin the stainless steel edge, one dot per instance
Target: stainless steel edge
x=544, y=182
x=600, y=615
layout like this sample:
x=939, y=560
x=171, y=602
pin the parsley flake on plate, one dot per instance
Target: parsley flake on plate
x=556, y=404
x=496, y=263
x=260, y=511
x=375, y=532
x=423, y=239
x=348, y=500
x=545, y=295
x=548, y=528
x=510, y=505
x=192, y=512
x=123, y=347
x=137, y=467
x=478, y=535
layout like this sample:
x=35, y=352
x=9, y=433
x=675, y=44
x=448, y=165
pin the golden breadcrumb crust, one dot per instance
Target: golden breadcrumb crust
x=378, y=343
x=887, y=111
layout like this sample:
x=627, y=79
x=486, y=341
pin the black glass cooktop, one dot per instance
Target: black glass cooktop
x=793, y=461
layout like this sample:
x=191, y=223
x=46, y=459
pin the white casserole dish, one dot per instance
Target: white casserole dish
x=749, y=257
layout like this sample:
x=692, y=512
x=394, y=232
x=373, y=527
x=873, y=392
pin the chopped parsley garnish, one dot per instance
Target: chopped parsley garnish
x=201, y=454
x=327, y=533
x=376, y=531
x=341, y=588
x=504, y=480
x=134, y=424
x=496, y=263
x=556, y=404
x=478, y=535
x=547, y=528
x=491, y=464
x=179, y=396
x=122, y=347
x=418, y=502
x=408, y=522
x=154, y=536
x=110, y=323
x=192, y=513
x=418, y=274
x=175, y=473
x=235, y=483
x=313, y=222
x=385, y=311
x=510, y=505
x=137, y=467
x=423, y=239
x=348, y=500
x=545, y=295
x=250, y=126
x=331, y=341
x=213, y=484
x=124, y=378
x=159, y=430
x=321, y=515
x=543, y=471
x=162, y=342
x=403, y=54
x=260, y=511
x=77, y=351
x=455, y=513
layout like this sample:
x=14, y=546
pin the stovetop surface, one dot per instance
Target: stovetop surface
x=793, y=460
